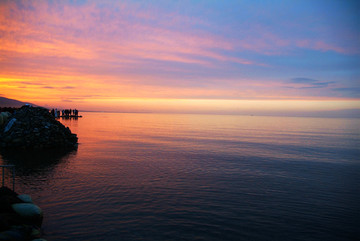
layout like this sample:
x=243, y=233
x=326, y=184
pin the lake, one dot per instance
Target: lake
x=142, y=176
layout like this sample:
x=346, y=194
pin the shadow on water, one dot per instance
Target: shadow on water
x=36, y=162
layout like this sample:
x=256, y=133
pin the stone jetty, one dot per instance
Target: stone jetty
x=34, y=128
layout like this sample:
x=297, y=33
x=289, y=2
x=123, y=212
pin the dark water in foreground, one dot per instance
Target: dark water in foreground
x=199, y=177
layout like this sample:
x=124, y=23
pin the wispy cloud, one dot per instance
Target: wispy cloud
x=349, y=92
x=307, y=83
x=302, y=80
x=356, y=89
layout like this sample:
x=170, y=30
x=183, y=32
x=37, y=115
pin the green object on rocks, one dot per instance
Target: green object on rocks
x=25, y=198
x=27, y=210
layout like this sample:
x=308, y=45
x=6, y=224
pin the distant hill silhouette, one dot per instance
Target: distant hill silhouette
x=5, y=102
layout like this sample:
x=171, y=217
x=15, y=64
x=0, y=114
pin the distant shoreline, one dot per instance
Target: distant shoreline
x=325, y=114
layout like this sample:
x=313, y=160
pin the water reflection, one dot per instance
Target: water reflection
x=35, y=162
x=187, y=177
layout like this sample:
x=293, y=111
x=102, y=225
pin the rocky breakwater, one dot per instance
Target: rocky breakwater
x=35, y=128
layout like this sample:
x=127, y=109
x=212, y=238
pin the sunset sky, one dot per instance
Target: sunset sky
x=197, y=56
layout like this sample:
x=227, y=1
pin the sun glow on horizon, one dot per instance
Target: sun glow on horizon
x=210, y=106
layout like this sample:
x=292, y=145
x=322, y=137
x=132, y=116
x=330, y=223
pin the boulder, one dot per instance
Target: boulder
x=4, y=116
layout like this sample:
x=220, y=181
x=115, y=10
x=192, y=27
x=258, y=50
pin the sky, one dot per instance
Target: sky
x=182, y=56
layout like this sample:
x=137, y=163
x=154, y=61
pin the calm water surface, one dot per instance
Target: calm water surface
x=198, y=177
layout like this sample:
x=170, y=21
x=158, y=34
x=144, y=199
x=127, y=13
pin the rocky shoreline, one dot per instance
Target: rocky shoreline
x=20, y=218
x=34, y=128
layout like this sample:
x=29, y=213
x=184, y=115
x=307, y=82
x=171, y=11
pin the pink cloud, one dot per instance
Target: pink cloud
x=89, y=32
